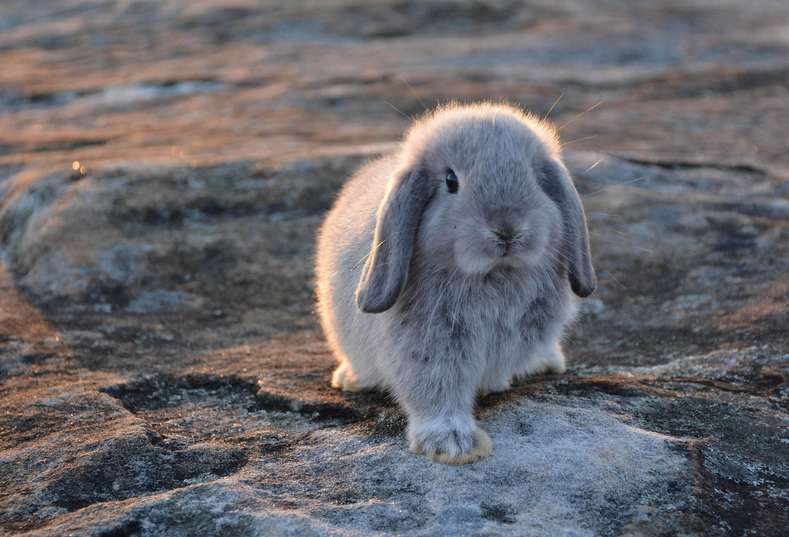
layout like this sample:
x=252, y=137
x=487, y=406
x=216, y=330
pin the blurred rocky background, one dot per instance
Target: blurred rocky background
x=164, y=166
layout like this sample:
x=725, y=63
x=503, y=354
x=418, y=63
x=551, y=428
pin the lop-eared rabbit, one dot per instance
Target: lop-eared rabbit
x=451, y=266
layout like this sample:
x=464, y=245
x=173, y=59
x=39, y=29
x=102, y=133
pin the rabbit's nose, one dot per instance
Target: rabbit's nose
x=504, y=234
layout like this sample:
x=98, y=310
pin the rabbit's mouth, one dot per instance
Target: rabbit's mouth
x=495, y=254
x=509, y=245
x=519, y=249
x=480, y=249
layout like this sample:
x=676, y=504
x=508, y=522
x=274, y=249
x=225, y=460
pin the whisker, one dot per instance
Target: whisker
x=362, y=259
x=579, y=140
x=622, y=233
x=614, y=278
x=372, y=251
x=620, y=243
x=612, y=186
x=579, y=115
x=608, y=214
x=412, y=91
x=368, y=254
x=441, y=295
x=591, y=167
x=551, y=108
x=393, y=106
x=597, y=262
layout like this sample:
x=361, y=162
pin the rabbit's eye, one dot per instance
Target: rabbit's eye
x=452, y=182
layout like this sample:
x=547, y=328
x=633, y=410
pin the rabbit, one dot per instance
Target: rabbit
x=451, y=266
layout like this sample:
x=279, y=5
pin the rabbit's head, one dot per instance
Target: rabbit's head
x=479, y=189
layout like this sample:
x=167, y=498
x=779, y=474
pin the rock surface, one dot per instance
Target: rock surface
x=164, y=166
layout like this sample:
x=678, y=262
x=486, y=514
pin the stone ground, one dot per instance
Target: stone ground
x=161, y=368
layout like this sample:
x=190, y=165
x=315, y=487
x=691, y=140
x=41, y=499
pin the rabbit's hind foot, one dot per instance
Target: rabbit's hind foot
x=555, y=363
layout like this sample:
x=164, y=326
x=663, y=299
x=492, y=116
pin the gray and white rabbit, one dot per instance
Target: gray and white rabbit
x=451, y=266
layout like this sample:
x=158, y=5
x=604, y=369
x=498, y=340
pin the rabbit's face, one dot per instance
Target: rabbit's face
x=477, y=189
x=488, y=210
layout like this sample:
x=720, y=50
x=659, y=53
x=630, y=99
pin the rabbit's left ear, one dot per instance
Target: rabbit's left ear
x=386, y=268
x=557, y=185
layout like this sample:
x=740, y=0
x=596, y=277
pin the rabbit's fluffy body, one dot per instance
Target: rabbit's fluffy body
x=437, y=296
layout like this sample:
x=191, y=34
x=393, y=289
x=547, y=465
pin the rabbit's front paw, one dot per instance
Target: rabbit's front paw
x=345, y=378
x=452, y=445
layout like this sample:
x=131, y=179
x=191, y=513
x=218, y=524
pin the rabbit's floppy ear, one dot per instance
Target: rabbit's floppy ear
x=557, y=185
x=386, y=268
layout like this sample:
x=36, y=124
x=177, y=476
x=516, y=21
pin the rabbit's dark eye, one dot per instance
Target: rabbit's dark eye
x=452, y=182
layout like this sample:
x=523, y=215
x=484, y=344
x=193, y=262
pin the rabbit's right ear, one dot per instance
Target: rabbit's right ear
x=386, y=268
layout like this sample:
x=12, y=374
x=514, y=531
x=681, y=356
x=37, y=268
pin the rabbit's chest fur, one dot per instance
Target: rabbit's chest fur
x=497, y=323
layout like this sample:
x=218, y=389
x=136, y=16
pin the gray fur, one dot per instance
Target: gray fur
x=557, y=185
x=462, y=291
x=385, y=271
